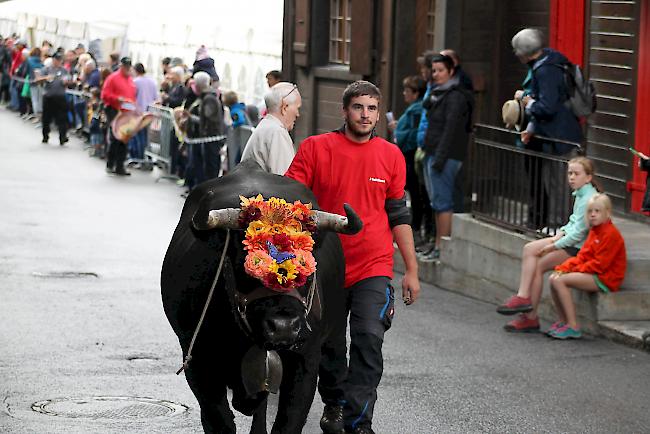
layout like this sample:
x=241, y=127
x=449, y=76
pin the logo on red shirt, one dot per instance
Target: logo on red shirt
x=372, y=179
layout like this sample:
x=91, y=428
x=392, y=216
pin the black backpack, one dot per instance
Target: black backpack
x=581, y=92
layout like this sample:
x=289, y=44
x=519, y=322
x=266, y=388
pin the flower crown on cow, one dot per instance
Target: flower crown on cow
x=278, y=241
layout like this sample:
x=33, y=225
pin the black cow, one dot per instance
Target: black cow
x=246, y=323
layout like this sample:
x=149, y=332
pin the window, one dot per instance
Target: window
x=431, y=23
x=340, y=30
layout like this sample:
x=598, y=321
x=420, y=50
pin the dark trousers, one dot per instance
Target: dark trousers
x=116, y=154
x=54, y=108
x=371, y=308
x=413, y=187
x=204, y=163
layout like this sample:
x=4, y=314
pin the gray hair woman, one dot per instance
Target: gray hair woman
x=526, y=43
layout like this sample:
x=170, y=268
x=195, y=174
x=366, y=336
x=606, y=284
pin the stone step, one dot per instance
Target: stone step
x=483, y=261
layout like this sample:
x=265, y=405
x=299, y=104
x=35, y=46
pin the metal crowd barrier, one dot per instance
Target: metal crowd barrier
x=517, y=188
x=158, y=151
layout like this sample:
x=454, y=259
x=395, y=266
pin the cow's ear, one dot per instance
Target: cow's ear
x=200, y=219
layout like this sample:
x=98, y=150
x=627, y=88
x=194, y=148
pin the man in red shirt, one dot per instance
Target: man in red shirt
x=118, y=95
x=354, y=166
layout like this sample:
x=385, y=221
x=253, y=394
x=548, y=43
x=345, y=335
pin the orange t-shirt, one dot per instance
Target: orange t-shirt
x=603, y=254
x=364, y=175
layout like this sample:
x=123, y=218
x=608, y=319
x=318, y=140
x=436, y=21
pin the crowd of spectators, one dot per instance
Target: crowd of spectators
x=84, y=94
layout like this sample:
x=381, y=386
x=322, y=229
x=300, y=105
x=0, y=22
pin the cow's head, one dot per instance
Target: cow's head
x=272, y=319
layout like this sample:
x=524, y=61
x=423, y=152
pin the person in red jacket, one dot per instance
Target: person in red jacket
x=118, y=95
x=599, y=266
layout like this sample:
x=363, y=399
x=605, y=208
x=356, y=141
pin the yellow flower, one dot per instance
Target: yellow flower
x=284, y=272
x=246, y=202
x=256, y=228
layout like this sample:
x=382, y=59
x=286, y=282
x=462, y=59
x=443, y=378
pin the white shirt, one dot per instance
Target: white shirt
x=270, y=146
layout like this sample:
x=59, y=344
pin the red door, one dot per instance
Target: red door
x=642, y=140
x=567, y=29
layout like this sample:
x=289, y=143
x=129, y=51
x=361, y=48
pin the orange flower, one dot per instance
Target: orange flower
x=305, y=262
x=258, y=263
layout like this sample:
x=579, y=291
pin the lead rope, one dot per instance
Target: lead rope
x=188, y=358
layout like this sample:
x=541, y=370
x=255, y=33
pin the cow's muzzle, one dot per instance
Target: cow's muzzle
x=228, y=218
x=281, y=331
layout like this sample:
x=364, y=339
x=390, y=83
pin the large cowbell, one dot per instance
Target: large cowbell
x=261, y=371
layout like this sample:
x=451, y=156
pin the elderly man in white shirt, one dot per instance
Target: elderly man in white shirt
x=270, y=144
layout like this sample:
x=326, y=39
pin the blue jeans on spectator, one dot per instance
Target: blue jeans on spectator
x=428, y=176
x=444, y=183
x=13, y=93
x=137, y=144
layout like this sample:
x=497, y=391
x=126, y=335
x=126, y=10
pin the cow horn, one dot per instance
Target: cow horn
x=204, y=218
x=349, y=225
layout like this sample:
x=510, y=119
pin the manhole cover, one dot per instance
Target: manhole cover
x=108, y=407
x=65, y=274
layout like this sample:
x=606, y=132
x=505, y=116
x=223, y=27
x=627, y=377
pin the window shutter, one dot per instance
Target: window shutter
x=301, y=32
x=361, y=43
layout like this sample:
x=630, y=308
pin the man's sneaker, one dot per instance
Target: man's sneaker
x=332, y=420
x=515, y=304
x=431, y=256
x=556, y=325
x=63, y=141
x=45, y=140
x=566, y=332
x=522, y=324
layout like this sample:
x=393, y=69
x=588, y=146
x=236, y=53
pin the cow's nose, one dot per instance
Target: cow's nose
x=282, y=330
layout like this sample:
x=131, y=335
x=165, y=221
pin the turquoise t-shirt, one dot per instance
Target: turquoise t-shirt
x=575, y=232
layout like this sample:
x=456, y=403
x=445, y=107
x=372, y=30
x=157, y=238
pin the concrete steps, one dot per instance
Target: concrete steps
x=483, y=261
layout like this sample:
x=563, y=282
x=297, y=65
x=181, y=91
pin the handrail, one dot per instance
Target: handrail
x=550, y=139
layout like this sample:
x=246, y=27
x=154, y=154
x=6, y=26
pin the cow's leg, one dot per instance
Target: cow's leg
x=259, y=419
x=297, y=389
x=216, y=416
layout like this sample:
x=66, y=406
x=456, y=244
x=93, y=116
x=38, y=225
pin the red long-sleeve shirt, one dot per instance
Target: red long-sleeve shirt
x=16, y=61
x=115, y=86
x=364, y=175
x=603, y=254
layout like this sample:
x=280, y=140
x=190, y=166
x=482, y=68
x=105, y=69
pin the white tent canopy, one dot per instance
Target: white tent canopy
x=244, y=38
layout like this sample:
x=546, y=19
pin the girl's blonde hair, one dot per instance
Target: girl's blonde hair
x=599, y=200
x=590, y=169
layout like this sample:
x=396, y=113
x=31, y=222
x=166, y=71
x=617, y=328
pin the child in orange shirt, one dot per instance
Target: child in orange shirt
x=599, y=266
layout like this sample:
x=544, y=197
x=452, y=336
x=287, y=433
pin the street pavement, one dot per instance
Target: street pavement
x=449, y=367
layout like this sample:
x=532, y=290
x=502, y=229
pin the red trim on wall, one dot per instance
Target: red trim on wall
x=567, y=29
x=642, y=121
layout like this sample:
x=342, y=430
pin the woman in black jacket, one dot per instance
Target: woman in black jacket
x=449, y=110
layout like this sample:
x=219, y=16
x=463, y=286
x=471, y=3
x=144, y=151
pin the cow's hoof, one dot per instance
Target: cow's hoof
x=332, y=420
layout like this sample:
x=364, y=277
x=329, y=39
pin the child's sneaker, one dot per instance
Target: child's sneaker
x=515, y=304
x=522, y=324
x=566, y=332
x=553, y=328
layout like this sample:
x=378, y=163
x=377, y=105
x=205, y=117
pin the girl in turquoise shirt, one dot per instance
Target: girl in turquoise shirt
x=544, y=255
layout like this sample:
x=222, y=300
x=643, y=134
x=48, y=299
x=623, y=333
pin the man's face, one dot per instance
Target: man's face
x=56, y=62
x=290, y=111
x=125, y=70
x=361, y=115
x=70, y=56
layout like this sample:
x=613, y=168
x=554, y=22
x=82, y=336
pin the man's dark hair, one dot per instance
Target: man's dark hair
x=446, y=60
x=416, y=84
x=115, y=57
x=139, y=68
x=360, y=88
x=275, y=74
x=166, y=60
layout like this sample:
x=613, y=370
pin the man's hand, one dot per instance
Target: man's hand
x=526, y=100
x=410, y=287
x=525, y=137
